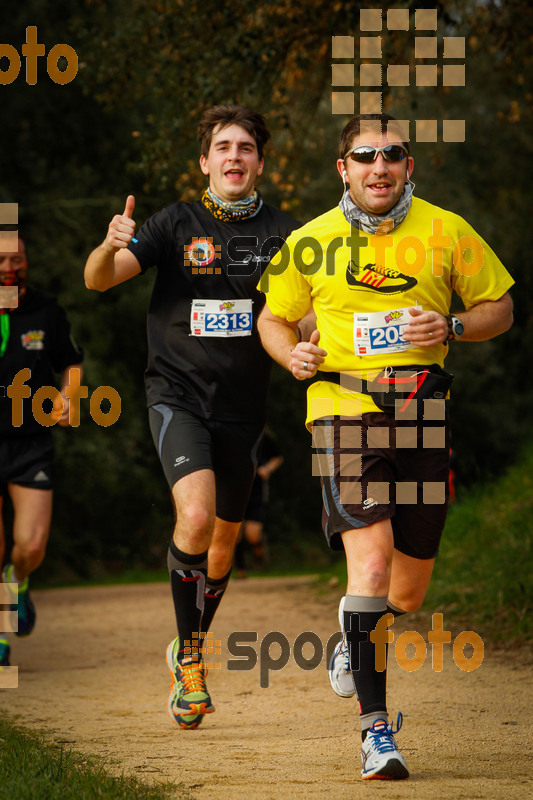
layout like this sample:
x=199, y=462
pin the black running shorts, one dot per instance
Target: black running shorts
x=27, y=461
x=187, y=443
x=376, y=467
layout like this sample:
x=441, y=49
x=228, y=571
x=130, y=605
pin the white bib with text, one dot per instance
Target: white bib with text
x=221, y=317
x=381, y=332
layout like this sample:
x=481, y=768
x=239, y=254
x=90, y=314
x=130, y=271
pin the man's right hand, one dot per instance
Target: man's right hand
x=307, y=357
x=111, y=262
x=121, y=228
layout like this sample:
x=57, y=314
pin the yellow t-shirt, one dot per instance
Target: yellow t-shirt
x=361, y=287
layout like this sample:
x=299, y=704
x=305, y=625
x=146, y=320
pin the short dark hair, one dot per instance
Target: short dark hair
x=252, y=122
x=353, y=128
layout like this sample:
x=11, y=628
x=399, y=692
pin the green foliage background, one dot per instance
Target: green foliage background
x=70, y=154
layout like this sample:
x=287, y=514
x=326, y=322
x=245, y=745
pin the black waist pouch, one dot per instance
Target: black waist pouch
x=416, y=382
x=407, y=384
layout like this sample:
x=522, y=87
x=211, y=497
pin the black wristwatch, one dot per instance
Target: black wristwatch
x=455, y=328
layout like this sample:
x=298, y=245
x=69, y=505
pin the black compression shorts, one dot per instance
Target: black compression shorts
x=27, y=461
x=374, y=468
x=187, y=443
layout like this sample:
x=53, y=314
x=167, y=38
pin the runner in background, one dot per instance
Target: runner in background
x=252, y=535
x=35, y=336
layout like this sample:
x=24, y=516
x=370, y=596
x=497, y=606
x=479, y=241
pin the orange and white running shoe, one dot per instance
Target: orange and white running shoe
x=189, y=699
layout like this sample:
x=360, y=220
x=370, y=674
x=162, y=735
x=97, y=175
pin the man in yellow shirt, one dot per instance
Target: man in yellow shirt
x=379, y=271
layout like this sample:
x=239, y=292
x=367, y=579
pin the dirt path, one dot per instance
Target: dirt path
x=93, y=675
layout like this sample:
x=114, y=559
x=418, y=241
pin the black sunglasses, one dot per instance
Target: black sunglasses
x=365, y=154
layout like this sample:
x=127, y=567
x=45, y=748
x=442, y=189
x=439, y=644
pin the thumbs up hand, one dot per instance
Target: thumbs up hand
x=121, y=227
x=306, y=357
x=130, y=205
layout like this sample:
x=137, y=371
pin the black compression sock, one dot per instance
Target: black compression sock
x=187, y=580
x=361, y=615
x=214, y=592
x=397, y=612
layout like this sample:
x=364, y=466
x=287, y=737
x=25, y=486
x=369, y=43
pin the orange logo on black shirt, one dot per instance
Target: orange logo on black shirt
x=199, y=253
x=33, y=340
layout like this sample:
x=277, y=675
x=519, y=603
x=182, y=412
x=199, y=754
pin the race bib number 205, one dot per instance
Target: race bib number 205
x=381, y=332
x=222, y=318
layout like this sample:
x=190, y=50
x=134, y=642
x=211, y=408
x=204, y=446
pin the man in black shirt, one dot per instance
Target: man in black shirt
x=207, y=373
x=35, y=341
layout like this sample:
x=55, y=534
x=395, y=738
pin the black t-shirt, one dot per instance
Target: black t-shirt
x=201, y=258
x=39, y=338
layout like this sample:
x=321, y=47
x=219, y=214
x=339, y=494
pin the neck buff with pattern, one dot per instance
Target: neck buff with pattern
x=232, y=212
x=377, y=224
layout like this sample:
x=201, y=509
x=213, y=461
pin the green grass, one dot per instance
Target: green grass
x=482, y=577
x=33, y=769
x=483, y=573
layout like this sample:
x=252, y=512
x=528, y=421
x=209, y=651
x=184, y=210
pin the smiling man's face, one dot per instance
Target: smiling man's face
x=13, y=266
x=232, y=163
x=376, y=187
